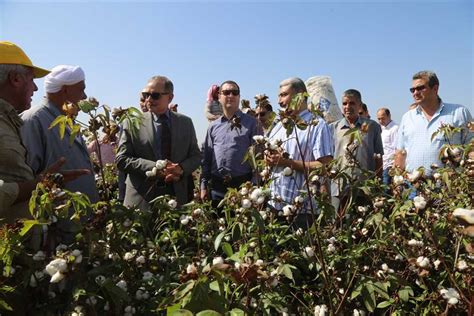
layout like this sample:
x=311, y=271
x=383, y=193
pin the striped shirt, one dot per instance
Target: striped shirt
x=315, y=141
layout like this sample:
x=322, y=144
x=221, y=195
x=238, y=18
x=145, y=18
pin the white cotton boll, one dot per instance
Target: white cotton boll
x=308, y=252
x=380, y=274
x=364, y=231
x=320, y=310
x=299, y=199
x=436, y=263
x=436, y=175
x=259, y=139
x=246, y=203
x=331, y=248
x=423, y=262
x=451, y=295
x=259, y=262
x=128, y=256
x=419, y=202
x=55, y=266
x=122, y=284
x=244, y=191
x=172, y=204
x=260, y=200
x=256, y=193
x=147, y=276
x=263, y=214
x=253, y=244
x=332, y=240
x=197, y=212
x=184, y=220
x=287, y=171
x=57, y=277
x=191, y=268
x=415, y=243
x=465, y=215
x=264, y=173
x=140, y=260
x=362, y=209
x=161, y=164
x=358, y=312
x=237, y=265
x=150, y=174
x=412, y=177
x=217, y=260
x=398, y=180
x=39, y=256
x=288, y=210
x=462, y=265
x=385, y=267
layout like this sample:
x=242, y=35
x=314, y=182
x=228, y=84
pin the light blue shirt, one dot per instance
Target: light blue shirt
x=415, y=131
x=315, y=141
x=45, y=147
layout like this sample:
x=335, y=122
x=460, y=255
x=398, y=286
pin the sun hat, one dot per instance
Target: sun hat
x=13, y=55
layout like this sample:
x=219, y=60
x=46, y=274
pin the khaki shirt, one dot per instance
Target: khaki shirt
x=13, y=166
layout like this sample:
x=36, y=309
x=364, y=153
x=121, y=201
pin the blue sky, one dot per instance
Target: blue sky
x=372, y=46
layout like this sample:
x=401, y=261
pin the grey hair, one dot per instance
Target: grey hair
x=6, y=69
x=295, y=83
x=353, y=93
x=427, y=74
x=169, y=88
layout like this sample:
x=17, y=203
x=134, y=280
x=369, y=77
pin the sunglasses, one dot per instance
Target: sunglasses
x=419, y=88
x=154, y=95
x=228, y=92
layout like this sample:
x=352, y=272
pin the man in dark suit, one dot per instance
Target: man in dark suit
x=163, y=135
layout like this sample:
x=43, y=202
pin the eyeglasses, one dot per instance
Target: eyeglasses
x=228, y=92
x=154, y=95
x=419, y=88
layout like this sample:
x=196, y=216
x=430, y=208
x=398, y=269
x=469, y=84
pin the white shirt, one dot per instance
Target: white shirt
x=389, y=141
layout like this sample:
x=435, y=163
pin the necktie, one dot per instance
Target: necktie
x=165, y=137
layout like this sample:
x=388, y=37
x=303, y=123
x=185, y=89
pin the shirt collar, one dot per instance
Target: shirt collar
x=358, y=122
x=238, y=114
x=157, y=116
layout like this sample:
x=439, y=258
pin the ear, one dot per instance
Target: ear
x=15, y=79
x=435, y=88
x=171, y=97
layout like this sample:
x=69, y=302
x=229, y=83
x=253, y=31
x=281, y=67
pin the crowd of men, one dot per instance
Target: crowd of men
x=29, y=149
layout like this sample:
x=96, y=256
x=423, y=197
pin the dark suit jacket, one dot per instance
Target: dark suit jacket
x=138, y=153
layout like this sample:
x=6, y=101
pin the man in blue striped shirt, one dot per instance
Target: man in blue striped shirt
x=315, y=150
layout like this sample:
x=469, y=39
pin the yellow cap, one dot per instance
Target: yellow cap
x=14, y=55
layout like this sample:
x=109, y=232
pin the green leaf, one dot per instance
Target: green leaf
x=259, y=220
x=405, y=293
x=208, y=312
x=218, y=240
x=27, y=225
x=368, y=296
x=286, y=270
x=180, y=312
x=227, y=249
x=4, y=305
x=236, y=312
x=384, y=304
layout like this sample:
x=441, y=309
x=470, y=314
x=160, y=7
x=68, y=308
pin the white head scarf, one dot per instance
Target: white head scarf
x=63, y=75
